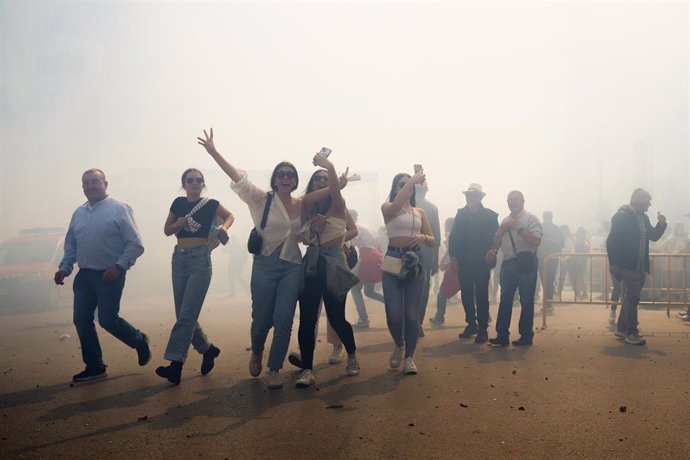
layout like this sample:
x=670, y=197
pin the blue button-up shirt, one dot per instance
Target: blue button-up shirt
x=102, y=235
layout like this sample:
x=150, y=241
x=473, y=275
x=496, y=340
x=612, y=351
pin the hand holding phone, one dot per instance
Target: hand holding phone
x=325, y=151
x=418, y=169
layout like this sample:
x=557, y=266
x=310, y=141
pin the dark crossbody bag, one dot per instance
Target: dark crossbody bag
x=526, y=260
x=255, y=240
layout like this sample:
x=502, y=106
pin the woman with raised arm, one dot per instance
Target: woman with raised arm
x=190, y=220
x=331, y=279
x=407, y=228
x=277, y=267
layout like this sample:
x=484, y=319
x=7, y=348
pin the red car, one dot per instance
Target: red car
x=28, y=263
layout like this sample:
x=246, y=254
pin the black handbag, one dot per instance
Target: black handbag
x=255, y=240
x=526, y=261
x=351, y=256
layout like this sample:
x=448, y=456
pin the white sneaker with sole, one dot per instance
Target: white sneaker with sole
x=306, y=379
x=274, y=380
x=396, y=357
x=255, y=365
x=336, y=355
x=352, y=368
x=409, y=368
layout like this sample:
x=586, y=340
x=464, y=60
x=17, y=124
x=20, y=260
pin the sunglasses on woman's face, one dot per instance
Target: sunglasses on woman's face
x=320, y=178
x=191, y=180
x=284, y=174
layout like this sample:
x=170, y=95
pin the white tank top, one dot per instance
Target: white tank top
x=404, y=225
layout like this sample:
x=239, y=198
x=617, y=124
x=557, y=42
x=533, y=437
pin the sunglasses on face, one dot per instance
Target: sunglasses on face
x=284, y=174
x=320, y=178
x=191, y=180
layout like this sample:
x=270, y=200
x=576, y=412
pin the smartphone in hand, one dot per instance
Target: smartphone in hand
x=325, y=151
x=418, y=169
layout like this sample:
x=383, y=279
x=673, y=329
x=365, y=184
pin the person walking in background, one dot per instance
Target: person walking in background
x=104, y=241
x=429, y=253
x=450, y=285
x=470, y=246
x=568, y=264
x=407, y=227
x=628, y=253
x=518, y=236
x=277, y=267
x=551, y=243
x=368, y=270
x=190, y=219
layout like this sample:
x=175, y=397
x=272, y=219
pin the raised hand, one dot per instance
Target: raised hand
x=207, y=142
x=661, y=218
x=320, y=160
x=418, y=178
x=342, y=180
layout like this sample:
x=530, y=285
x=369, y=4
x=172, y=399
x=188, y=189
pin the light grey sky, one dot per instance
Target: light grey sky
x=574, y=103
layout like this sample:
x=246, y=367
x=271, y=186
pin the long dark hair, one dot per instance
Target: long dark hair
x=310, y=188
x=275, y=170
x=395, y=189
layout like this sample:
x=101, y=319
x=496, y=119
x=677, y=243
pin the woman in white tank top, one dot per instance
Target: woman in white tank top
x=407, y=228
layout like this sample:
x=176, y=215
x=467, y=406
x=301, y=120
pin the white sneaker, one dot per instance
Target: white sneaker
x=255, y=365
x=396, y=357
x=634, y=339
x=619, y=335
x=409, y=367
x=306, y=379
x=274, y=380
x=336, y=355
x=352, y=368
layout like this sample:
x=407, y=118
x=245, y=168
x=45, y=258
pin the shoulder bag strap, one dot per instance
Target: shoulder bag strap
x=267, y=207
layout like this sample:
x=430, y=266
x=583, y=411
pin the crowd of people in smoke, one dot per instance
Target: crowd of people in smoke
x=409, y=258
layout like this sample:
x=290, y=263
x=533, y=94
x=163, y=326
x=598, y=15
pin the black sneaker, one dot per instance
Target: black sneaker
x=90, y=374
x=522, y=342
x=208, y=361
x=173, y=372
x=420, y=331
x=295, y=359
x=435, y=321
x=143, y=351
x=498, y=342
x=469, y=332
x=482, y=337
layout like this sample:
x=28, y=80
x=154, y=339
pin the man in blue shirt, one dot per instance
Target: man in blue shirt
x=104, y=241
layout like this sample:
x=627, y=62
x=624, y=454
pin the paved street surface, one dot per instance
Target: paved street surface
x=576, y=393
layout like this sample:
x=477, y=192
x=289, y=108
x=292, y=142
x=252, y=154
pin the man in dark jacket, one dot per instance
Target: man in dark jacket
x=628, y=252
x=468, y=244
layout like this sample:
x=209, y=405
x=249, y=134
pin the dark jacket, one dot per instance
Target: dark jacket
x=472, y=235
x=623, y=243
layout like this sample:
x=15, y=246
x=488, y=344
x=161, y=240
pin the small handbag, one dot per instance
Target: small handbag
x=255, y=240
x=392, y=265
x=351, y=256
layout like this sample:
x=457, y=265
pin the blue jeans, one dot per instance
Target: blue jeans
x=275, y=289
x=191, y=276
x=631, y=287
x=90, y=291
x=402, y=308
x=369, y=291
x=512, y=281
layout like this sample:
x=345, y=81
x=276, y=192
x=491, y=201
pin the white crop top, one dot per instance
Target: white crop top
x=404, y=225
x=335, y=228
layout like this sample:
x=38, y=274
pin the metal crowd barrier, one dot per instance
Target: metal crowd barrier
x=667, y=284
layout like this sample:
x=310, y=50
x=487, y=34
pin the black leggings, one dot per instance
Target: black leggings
x=309, y=300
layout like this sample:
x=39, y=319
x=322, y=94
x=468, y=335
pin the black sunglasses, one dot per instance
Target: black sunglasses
x=320, y=178
x=191, y=180
x=284, y=174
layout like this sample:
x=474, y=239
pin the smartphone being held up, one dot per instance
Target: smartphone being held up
x=418, y=169
x=325, y=151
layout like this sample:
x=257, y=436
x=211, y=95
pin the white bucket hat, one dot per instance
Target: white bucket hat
x=474, y=188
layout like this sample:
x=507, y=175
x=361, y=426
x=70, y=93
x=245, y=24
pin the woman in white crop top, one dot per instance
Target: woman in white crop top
x=331, y=224
x=408, y=228
x=277, y=270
